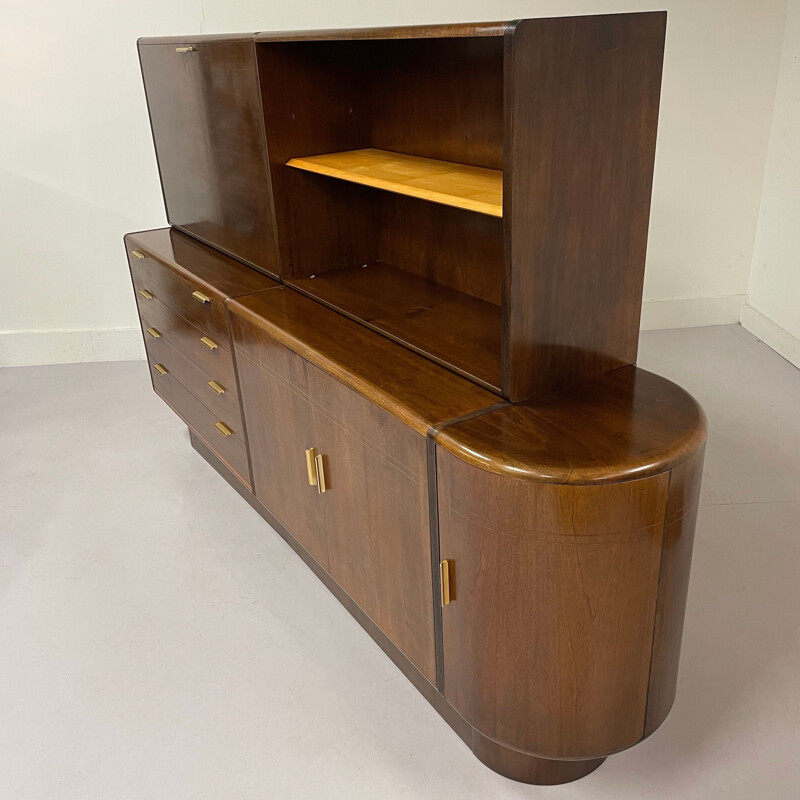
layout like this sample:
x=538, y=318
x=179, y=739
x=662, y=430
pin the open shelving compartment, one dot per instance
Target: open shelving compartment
x=386, y=158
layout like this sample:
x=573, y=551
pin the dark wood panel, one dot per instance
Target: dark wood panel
x=198, y=263
x=184, y=336
x=375, y=510
x=547, y=643
x=415, y=390
x=673, y=587
x=513, y=764
x=223, y=406
x=232, y=449
x=581, y=104
x=626, y=424
x=459, y=331
x=205, y=112
x=406, y=32
x=280, y=428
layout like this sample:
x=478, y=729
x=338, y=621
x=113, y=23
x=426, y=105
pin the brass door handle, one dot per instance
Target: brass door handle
x=156, y=334
x=160, y=369
x=223, y=429
x=184, y=49
x=209, y=343
x=445, y=583
x=147, y=295
x=203, y=298
x=137, y=253
x=311, y=466
x=320, y=469
x=217, y=387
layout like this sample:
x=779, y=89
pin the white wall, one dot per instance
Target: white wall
x=77, y=168
x=773, y=298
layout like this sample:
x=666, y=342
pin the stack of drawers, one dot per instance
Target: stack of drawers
x=186, y=335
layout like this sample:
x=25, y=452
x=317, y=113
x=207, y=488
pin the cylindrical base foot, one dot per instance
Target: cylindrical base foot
x=527, y=768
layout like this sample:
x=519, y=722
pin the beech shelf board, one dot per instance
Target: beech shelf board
x=457, y=330
x=458, y=185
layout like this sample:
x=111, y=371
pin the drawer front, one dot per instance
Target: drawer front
x=200, y=305
x=230, y=448
x=187, y=338
x=220, y=398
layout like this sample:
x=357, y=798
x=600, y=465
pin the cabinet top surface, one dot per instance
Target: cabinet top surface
x=624, y=425
x=417, y=391
x=446, y=31
x=198, y=262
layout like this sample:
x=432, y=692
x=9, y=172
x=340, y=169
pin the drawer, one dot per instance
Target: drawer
x=220, y=398
x=231, y=448
x=201, y=305
x=187, y=338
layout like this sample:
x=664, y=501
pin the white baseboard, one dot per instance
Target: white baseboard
x=23, y=348
x=691, y=312
x=780, y=340
x=26, y=348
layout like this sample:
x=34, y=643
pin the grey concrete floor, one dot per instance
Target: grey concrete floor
x=159, y=641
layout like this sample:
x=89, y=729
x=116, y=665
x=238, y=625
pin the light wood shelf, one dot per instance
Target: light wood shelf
x=471, y=188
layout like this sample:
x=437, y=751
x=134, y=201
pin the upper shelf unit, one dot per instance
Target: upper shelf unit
x=457, y=185
x=478, y=192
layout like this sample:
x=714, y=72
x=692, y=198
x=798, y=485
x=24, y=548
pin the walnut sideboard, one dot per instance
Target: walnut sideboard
x=397, y=307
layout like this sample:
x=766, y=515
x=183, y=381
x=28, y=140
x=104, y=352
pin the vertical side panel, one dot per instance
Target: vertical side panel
x=673, y=587
x=582, y=97
x=547, y=644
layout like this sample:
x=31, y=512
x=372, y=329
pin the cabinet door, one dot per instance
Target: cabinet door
x=277, y=411
x=375, y=510
x=208, y=129
x=548, y=635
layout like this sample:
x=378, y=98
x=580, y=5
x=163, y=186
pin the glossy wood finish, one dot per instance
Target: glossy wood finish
x=411, y=388
x=676, y=561
x=471, y=188
x=192, y=377
x=458, y=30
x=369, y=529
x=581, y=104
x=452, y=328
x=513, y=764
x=205, y=112
x=547, y=643
x=197, y=264
x=231, y=449
x=626, y=424
x=181, y=334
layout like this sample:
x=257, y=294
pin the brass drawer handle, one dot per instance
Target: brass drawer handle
x=321, y=487
x=156, y=334
x=223, y=429
x=147, y=295
x=444, y=581
x=137, y=253
x=217, y=387
x=209, y=343
x=160, y=369
x=203, y=298
x=184, y=49
x=311, y=466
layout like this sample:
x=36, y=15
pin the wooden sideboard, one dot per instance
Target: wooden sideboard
x=397, y=308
